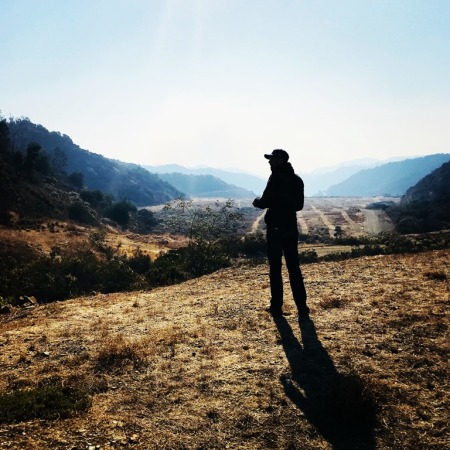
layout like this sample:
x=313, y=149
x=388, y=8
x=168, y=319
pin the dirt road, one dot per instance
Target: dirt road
x=376, y=222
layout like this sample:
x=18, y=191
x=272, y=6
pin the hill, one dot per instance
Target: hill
x=435, y=187
x=205, y=186
x=202, y=365
x=318, y=181
x=388, y=179
x=122, y=180
x=425, y=206
x=244, y=180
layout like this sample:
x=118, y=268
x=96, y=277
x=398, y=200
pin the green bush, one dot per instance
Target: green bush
x=120, y=212
x=79, y=212
x=53, y=278
x=188, y=262
x=139, y=262
x=43, y=402
x=309, y=256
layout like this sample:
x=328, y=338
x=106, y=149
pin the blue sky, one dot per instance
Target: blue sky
x=220, y=82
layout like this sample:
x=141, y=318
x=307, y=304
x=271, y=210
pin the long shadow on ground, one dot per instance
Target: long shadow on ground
x=337, y=405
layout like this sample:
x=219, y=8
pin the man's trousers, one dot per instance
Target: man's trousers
x=283, y=240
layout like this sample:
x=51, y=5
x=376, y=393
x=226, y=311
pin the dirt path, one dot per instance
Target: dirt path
x=257, y=224
x=376, y=222
x=324, y=219
x=354, y=227
x=303, y=226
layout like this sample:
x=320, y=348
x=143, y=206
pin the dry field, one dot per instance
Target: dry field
x=322, y=215
x=201, y=365
x=68, y=237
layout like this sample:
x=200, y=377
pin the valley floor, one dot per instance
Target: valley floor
x=201, y=365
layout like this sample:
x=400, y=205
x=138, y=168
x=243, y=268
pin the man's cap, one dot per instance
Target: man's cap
x=278, y=153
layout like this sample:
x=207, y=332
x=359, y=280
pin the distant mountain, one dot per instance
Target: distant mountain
x=244, y=180
x=388, y=179
x=122, y=180
x=319, y=181
x=426, y=205
x=205, y=186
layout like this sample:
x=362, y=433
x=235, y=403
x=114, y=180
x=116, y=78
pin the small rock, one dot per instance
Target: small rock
x=133, y=438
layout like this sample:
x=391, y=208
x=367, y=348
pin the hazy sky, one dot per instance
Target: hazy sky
x=220, y=82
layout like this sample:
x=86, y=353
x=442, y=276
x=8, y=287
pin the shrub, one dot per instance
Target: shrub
x=169, y=268
x=43, y=402
x=120, y=212
x=80, y=213
x=309, y=256
x=188, y=262
x=139, y=262
x=96, y=199
x=52, y=278
x=254, y=244
x=145, y=221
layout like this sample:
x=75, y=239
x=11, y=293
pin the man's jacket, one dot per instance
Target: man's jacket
x=283, y=196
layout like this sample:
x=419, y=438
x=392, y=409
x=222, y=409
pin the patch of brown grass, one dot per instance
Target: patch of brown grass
x=202, y=365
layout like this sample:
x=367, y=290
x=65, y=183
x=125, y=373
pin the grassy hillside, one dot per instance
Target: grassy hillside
x=201, y=365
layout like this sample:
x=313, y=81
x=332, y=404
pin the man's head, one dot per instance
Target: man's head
x=277, y=157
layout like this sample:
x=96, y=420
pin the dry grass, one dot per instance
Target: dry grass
x=70, y=237
x=201, y=365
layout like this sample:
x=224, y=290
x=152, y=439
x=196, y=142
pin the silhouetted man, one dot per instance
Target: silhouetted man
x=283, y=196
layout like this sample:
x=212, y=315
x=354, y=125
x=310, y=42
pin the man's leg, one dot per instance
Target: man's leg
x=295, y=274
x=274, y=254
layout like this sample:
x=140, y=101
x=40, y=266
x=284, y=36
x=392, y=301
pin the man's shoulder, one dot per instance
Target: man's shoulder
x=298, y=180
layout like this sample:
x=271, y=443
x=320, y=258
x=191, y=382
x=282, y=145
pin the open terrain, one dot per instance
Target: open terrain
x=201, y=365
x=322, y=215
x=319, y=218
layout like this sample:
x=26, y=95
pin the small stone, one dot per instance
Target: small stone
x=133, y=438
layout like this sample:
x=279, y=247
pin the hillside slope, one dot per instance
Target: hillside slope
x=388, y=179
x=425, y=206
x=202, y=365
x=435, y=187
x=122, y=180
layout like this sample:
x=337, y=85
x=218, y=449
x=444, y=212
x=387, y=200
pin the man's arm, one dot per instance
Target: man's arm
x=266, y=200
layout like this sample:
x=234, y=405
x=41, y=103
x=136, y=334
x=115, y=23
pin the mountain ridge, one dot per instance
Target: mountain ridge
x=393, y=178
x=244, y=180
x=205, y=186
x=122, y=180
